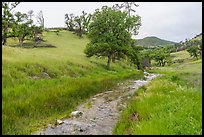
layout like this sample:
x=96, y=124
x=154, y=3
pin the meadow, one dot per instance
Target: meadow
x=31, y=100
x=168, y=105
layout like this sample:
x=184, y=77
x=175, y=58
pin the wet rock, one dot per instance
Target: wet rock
x=49, y=125
x=45, y=75
x=94, y=98
x=146, y=73
x=110, y=114
x=93, y=125
x=59, y=122
x=80, y=129
x=76, y=113
x=98, y=95
x=35, y=77
x=92, y=120
x=109, y=91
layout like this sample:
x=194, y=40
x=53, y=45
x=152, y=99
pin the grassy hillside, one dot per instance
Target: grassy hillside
x=180, y=57
x=198, y=37
x=169, y=105
x=31, y=99
x=152, y=41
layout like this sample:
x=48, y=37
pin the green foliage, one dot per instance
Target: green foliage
x=147, y=53
x=69, y=21
x=78, y=24
x=193, y=51
x=36, y=32
x=128, y=8
x=7, y=19
x=161, y=56
x=133, y=55
x=86, y=21
x=21, y=27
x=146, y=56
x=108, y=33
x=18, y=25
x=198, y=43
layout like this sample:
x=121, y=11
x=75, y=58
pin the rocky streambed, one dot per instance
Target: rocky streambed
x=99, y=114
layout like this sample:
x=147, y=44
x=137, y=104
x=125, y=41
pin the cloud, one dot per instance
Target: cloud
x=172, y=21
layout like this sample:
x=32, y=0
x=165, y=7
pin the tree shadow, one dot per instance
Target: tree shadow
x=30, y=45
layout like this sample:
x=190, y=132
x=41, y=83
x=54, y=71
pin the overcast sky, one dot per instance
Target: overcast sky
x=172, y=21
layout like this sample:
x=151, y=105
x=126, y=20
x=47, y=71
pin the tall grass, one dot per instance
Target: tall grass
x=169, y=105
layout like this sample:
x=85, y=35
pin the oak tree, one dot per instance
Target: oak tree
x=7, y=19
x=22, y=27
x=109, y=34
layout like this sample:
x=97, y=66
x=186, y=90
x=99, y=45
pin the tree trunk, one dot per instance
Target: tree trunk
x=80, y=32
x=5, y=36
x=113, y=58
x=4, y=40
x=163, y=63
x=159, y=63
x=108, y=63
x=80, y=35
x=21, y=41
x=43, y=24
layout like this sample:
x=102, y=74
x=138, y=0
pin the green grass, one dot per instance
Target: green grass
x=29, y=104
x=180, y=55
x=197, y=38
x=170, y=105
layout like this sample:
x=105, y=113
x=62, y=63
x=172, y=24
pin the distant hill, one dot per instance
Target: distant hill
x=152, y=41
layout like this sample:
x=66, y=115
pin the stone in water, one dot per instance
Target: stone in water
x=76, y=113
